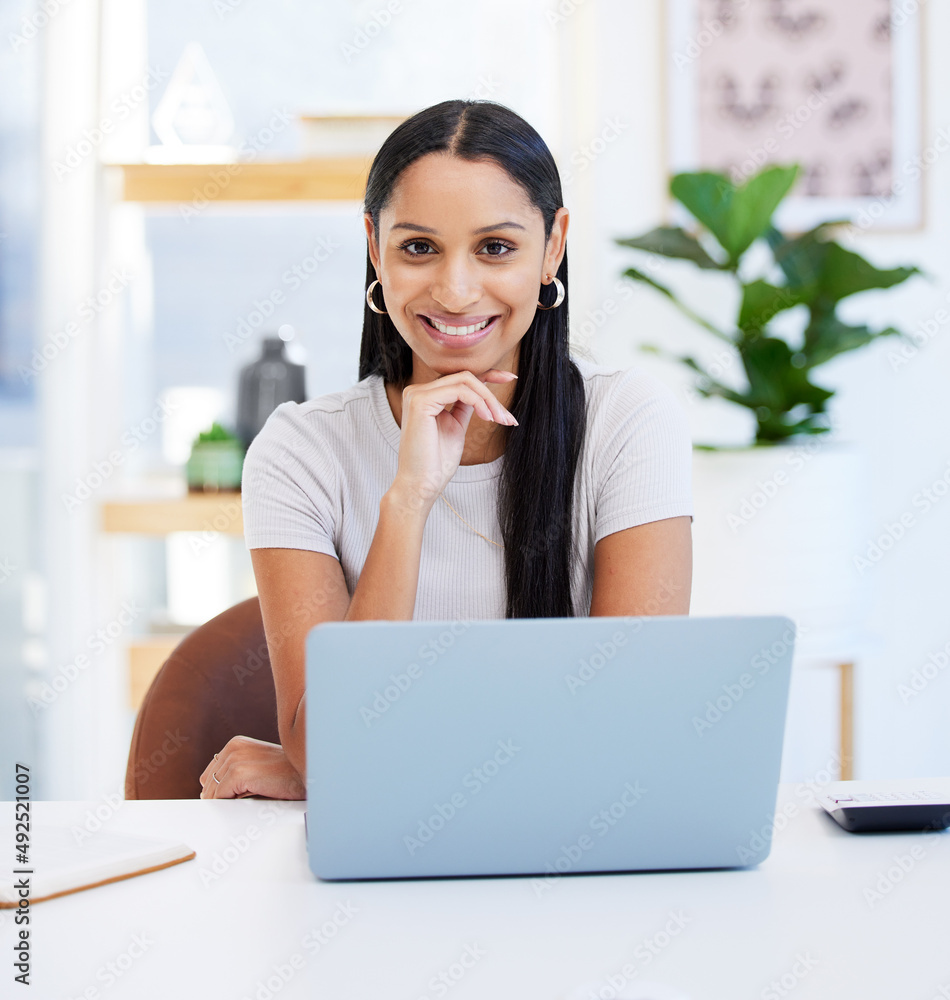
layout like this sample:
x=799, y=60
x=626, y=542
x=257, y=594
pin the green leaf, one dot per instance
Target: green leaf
x=761, y=301
x=828, y=337
x=846, y=273
x=708, y=196
x=754, y=204
x=735, y=216
x=802, y=258
x=671, y=241
x=774, y=382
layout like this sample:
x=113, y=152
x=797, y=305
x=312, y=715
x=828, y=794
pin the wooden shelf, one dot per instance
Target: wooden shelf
x=329, y=178
x=216, y=512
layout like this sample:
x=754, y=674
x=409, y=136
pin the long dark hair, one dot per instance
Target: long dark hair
x=535, y=497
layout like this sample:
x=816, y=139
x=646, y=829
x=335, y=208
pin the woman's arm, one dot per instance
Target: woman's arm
x=644, y=570
x=299, y=589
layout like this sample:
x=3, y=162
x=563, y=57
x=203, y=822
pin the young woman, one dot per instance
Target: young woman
x=476, y=470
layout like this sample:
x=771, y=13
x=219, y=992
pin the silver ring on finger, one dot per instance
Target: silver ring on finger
x=213, y=775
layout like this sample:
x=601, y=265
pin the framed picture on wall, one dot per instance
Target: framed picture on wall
x=834, y=85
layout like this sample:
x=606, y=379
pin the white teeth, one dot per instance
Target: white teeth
x=458, y=331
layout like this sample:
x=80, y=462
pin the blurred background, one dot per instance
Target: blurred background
x=180, y=181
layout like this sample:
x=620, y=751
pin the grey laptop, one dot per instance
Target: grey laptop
x=545, y=746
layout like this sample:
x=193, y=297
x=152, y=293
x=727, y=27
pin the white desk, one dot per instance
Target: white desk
x=738, y=931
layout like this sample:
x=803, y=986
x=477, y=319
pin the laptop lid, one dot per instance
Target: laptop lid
x=543, y=746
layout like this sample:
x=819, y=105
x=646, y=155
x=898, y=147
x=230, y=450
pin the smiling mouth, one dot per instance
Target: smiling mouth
x=458, y=331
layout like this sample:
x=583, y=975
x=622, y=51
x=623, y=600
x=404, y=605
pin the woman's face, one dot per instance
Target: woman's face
x=460, y=244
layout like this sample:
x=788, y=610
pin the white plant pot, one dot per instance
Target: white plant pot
x=775, y=531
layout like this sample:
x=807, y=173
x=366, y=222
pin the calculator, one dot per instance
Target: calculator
x=883, y=806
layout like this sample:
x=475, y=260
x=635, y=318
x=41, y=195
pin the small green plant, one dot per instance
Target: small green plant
x=216, y=433
x=809, y=270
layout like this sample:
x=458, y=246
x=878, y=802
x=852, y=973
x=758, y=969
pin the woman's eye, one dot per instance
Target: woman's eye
x=505, y=247
x=414, y=243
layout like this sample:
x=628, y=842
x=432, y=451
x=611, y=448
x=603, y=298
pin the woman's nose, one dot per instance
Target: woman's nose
x=455, y=285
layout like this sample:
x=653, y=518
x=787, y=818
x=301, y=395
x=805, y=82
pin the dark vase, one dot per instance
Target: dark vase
x=263, y=385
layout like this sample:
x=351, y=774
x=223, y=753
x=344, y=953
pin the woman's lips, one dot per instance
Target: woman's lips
x=466, y=340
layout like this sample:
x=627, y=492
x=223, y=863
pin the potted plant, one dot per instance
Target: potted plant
x=775, y=527
x=216, y=461
x=816, y=272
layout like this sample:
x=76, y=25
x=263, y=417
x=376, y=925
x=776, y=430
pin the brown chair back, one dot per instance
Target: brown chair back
x=216, y=684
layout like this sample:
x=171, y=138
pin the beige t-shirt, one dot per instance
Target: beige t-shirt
x=314, y=476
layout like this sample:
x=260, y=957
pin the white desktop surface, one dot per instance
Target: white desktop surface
x=739, y=931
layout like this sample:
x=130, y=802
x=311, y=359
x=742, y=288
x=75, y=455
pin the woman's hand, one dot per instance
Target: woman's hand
x=432, y=437
x=246, y=766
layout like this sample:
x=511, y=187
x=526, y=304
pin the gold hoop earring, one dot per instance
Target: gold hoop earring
x=560, y=295
x=370, y=302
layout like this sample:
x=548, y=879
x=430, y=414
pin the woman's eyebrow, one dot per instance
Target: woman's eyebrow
x=475, y=232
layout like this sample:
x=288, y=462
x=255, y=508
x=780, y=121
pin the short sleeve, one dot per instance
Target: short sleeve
x=288, y=487
x=642, y=464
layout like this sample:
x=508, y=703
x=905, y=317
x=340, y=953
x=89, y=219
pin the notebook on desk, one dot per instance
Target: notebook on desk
x=543, y=747
x=62, y=860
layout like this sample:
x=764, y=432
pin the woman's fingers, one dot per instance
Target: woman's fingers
x=247, y=766
x=462, y=386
